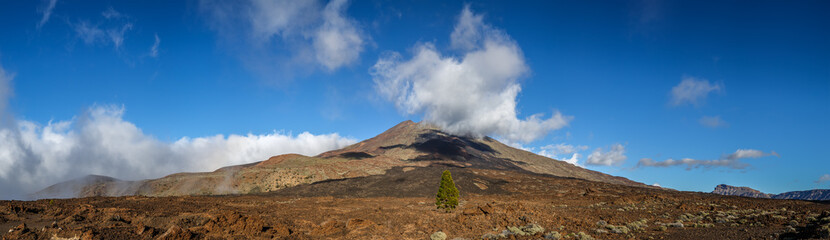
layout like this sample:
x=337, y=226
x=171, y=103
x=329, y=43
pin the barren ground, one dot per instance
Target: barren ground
x=399, y=205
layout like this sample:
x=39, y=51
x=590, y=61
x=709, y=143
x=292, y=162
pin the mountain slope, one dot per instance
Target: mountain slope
x=410, y=141
x=815, y=194
x=407, y=145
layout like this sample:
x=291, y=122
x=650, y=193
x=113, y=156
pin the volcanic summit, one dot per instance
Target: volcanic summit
x=405, y=147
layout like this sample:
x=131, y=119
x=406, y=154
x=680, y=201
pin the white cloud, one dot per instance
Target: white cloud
x=111, y=31
x=472, y=95
x=614, y=156
x=542, y=152
x=824, y=178
x=154, y=50
x=730, y=161
x=338, y=42
x=467, y=33
x=270, y=19
x=309, y=31
x=101, y=142
x=573, y=160
x=712, y=122
x=656, y=185
x=554, y=151
x=693, y=91
x=47, y=12
x=749, y=153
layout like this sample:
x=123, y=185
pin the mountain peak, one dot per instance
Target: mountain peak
x=425, y=143
x=407, y=145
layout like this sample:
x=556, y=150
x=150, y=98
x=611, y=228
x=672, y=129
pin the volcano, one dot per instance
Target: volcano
x=406, y=147
x=385, y=188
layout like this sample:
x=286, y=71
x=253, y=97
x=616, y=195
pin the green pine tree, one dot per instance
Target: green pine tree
x=447, y=197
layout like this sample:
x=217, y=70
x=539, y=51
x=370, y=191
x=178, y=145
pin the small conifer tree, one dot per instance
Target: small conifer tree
x=447, y=197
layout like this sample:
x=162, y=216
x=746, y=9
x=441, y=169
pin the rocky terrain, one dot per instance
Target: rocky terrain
x=495, y=204
x=384, y=188
x=815, y=194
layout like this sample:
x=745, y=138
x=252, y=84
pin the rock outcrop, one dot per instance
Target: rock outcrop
x=724, y=189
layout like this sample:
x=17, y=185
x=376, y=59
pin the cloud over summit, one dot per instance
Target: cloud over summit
x=471, y=94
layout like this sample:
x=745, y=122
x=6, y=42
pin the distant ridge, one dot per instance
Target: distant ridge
x=73, y=187
x=724, y=189
x=815, y=194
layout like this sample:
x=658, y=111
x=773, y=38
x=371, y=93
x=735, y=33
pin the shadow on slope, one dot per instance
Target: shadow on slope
x=399, y=182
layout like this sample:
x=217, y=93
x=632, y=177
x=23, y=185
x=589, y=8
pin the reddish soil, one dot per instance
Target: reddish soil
x=399, y=205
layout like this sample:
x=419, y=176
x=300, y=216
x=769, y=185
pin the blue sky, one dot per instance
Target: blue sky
x=740, y=90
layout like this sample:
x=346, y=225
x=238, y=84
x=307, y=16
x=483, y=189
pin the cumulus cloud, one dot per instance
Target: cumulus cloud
x=338, y=42
x=309, y=31
x=712, y=121
x=474, y=94
x=614, y=156
x=693, y=91
x=47, y=12
x=732, y=160
x=824, y=178
x=154, y=50
x=468, y=31
x=101, y=142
